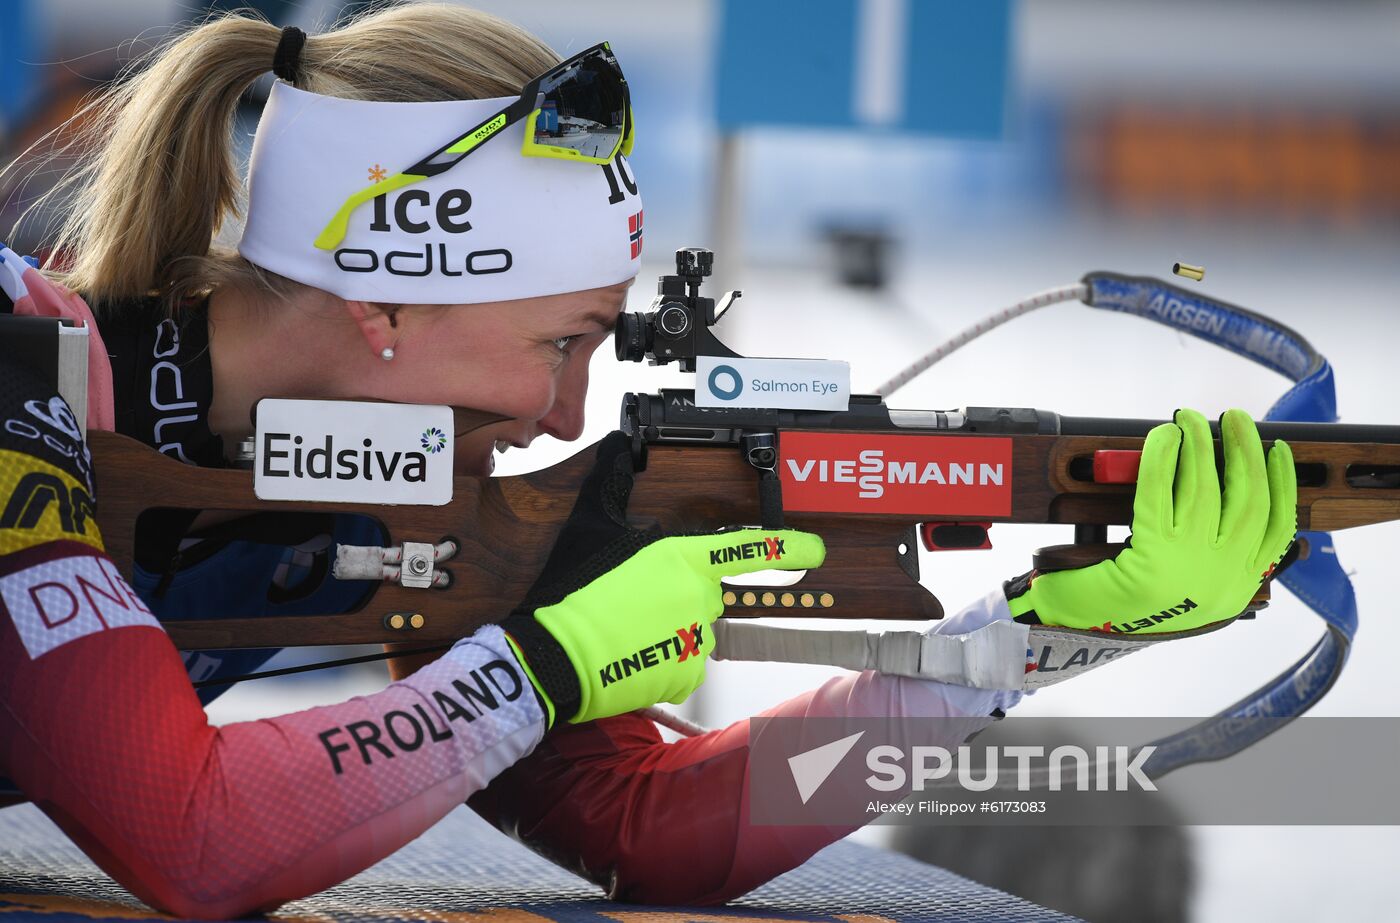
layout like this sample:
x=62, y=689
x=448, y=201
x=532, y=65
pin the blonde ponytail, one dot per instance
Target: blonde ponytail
x=164, y=178
x=156, y=178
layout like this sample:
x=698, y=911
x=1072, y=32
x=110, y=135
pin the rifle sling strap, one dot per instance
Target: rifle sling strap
x=1000, y=655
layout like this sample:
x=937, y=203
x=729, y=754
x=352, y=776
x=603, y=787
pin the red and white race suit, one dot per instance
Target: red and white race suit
x=100, y=728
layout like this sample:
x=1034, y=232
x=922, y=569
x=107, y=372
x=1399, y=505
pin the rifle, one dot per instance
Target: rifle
x=877, y=483
x=697, y=478
x=706, y=468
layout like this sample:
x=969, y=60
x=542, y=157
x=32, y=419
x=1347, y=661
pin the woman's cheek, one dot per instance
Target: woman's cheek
x=530, y=392
x=521, y=387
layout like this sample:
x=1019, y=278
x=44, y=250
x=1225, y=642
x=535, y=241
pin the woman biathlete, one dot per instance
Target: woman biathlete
x=438, y=211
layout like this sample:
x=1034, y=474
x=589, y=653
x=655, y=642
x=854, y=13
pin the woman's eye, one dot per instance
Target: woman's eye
x=562, y=343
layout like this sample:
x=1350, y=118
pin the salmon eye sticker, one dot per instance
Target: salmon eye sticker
x=871, y=473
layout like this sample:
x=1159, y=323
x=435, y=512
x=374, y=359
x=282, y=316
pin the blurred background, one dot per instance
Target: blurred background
x=879, y=174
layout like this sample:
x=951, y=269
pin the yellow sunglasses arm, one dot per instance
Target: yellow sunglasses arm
x=334, y=232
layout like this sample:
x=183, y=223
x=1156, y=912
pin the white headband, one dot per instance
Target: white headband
x=496, y=227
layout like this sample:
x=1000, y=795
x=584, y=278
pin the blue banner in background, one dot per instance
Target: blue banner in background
x=19, y=55
x=927, y=66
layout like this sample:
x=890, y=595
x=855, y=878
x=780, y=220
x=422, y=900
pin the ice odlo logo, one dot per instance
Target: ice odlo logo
x=433, y=440
x=353, y=451
x=413, y=212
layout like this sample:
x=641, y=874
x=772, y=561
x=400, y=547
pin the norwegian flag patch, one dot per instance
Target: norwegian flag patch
x=634, y=229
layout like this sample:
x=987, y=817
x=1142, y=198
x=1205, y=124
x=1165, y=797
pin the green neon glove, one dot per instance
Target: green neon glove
x=620, y=619
x=1195, y=557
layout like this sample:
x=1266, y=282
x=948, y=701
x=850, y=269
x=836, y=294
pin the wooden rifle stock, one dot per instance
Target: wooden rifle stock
x=506, y=527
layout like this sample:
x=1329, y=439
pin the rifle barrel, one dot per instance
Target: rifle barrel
x=1289, y=432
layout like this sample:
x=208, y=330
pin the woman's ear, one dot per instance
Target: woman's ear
x=376, y=324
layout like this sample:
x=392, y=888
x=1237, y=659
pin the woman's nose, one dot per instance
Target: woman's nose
x=565, y=419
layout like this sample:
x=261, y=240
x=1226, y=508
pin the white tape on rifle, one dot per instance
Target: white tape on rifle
x=992, y=657
x=999, y=655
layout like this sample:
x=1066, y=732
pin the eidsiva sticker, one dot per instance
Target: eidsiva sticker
x=353, y=452
x=924, y=475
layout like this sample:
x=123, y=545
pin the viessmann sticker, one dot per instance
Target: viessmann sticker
x=865, y=473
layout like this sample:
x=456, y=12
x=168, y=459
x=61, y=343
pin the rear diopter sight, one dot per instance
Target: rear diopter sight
x=677, y=328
